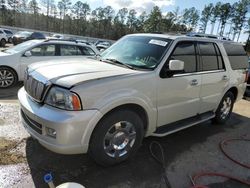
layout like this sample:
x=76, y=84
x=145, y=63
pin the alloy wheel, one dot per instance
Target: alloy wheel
x=119, y=139
x=6, y=78
x=226, y=107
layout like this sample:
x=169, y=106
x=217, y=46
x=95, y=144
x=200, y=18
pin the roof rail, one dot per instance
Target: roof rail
x=68, y=40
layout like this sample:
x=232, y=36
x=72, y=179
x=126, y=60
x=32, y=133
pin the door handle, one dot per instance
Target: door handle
x=225, y=77
x=194, y=82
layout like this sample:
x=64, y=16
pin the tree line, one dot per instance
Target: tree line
x=103, y=22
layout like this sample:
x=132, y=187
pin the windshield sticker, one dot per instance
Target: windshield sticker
x=158, y=42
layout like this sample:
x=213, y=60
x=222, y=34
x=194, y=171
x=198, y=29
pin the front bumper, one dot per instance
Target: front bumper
x=73, y=128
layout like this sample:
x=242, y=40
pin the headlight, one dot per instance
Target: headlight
x=63, y=98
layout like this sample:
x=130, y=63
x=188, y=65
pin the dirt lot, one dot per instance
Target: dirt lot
x=23, y=161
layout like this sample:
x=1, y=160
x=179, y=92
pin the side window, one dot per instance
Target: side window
x=43, y=50
x=219, y=58
x=8, y=32
x=237, y=55
x=70, y=50
x=185, y=51
x=208, y=56
x=87, y=51
x=1, y=32
x=37, y=35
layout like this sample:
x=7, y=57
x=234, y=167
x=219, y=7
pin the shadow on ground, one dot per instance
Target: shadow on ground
x=10, y=93
x=140, y=171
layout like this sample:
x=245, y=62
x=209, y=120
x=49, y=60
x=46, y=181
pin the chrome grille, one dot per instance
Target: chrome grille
x=35, y=88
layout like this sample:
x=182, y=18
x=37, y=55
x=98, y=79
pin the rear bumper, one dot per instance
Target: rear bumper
x=73, y=128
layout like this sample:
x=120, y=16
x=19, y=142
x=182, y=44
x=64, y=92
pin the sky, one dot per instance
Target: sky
x=165, y=6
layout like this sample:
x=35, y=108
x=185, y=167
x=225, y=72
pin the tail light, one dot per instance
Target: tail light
x=247, y=76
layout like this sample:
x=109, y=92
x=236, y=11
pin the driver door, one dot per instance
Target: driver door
x=39, y=53
x=179, y=93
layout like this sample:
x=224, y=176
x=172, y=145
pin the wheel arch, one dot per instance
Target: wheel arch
x=234, y=90
x=3, y=39
x=138, y=109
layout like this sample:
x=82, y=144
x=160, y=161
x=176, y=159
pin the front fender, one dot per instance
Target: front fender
x=109, y=103
x=150, y=109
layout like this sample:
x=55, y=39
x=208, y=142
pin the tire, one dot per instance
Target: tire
x=225, y=108
x=10, y=40
x=3, y=42
x=8, y=77
x=116, y=137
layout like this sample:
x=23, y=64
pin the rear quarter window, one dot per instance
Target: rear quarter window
x=237, y=56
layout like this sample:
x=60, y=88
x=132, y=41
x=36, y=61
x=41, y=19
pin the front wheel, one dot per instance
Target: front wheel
x=116, y=137
x=8, y=77
x=225, y=108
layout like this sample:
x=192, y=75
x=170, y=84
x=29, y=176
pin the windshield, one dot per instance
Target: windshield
x=138, y=51
x=21, y=47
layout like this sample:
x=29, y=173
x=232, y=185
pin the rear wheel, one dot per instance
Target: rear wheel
x=225, y=108
x=116, y=137
x=8, y=77
x=3, y=42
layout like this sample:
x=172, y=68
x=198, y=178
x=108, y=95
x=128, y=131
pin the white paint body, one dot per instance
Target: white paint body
x=103, y=87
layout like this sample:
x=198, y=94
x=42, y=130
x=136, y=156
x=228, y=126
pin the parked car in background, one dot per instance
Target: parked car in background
x=23, y=36
x=102, y=45
x=14, y=61
x=3, y=38
x=143, y=85
x=8, y=33
x=57, y=36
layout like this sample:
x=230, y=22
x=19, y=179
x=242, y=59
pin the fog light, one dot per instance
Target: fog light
x=51, y=132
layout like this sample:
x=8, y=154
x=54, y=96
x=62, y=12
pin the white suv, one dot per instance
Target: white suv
x=143, y=85
x=3, y=38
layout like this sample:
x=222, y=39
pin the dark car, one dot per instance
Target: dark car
x=22, y=36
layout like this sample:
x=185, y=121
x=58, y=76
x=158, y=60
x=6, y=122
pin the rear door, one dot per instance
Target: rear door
x=179, y=93
x=214, y=76
x=75, y=50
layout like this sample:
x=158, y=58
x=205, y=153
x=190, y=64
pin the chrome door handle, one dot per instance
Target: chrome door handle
x=225, y=77
x=194, y=82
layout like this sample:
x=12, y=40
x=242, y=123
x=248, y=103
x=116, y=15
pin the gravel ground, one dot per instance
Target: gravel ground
x=24, y=161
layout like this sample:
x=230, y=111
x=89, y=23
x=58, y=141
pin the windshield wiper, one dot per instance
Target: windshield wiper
x=115, y=61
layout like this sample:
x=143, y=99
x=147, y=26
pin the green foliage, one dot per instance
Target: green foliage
x=190, y=18
x=206, y=16
x=154, y=21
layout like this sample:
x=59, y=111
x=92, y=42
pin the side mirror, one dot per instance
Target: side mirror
x=27, y=54
x=176, y=65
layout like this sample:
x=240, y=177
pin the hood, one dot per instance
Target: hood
x=2, y=54
x=70, y=72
